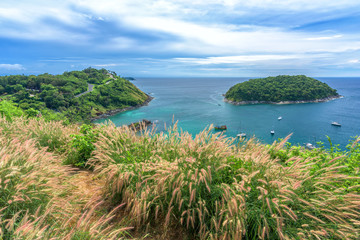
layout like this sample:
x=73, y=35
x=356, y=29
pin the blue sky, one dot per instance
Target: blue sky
x=189, y=38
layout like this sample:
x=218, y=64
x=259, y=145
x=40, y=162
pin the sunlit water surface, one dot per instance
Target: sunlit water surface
x=198, y=102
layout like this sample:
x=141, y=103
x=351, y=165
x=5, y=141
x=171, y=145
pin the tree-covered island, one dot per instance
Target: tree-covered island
x=280, y=90
x=76, y=96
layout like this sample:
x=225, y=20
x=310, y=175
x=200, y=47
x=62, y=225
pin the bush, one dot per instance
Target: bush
x=82, y=145
x=9, y=110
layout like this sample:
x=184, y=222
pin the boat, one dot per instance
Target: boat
x=241, y=135
x=222, y=127
x=272, y=132
x=336, y=124
x=309, y=146
x=279, y=118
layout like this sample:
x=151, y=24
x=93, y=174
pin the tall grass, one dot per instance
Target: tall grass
x=206, y=184
x=28, y=180
x=85, y=225
x=51, y=134
x=219, y=191
x=39, y=197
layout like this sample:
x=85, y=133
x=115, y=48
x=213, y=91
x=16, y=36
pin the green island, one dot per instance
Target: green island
x=63, y=179
x=76, y=96
x=282, y=89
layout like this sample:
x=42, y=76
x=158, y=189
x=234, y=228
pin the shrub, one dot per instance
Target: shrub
x=9, y=110
x=82, y=145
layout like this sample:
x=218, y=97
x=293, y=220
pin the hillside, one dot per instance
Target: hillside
x=104, y=182
x=283, y=88
x=58, y=96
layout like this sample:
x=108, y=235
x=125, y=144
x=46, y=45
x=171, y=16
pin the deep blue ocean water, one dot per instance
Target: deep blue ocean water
x=198, y=102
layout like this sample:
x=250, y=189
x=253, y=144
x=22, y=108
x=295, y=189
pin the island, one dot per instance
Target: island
x=283, y=89
x=76, y=96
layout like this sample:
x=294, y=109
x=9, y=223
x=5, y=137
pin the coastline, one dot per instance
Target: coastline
x=283, y=102
x=119, y=110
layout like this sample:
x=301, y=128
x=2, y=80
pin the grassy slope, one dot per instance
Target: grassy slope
x=170, y=186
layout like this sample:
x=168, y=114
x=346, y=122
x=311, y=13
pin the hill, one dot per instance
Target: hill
x=77, y=96
x=280, y=89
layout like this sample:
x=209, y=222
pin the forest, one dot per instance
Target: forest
x=280, y=88
x=55, y=96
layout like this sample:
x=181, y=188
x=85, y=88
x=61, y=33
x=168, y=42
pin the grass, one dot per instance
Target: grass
x=219, y=191
x=170, y=185
x=40, y=198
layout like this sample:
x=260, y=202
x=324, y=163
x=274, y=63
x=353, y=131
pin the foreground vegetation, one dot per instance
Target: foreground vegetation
x=57, y=97
x=280, y=88
x=147, y=185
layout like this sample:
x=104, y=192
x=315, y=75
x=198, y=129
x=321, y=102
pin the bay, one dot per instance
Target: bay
x=198, y=102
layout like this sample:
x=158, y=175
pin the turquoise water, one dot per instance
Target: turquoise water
x=198, y=102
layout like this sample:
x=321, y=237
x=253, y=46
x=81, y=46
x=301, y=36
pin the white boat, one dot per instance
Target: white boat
x=241, y=135
x=336, y=124
x=279, y=118
x=272, y=132
x=309, y=146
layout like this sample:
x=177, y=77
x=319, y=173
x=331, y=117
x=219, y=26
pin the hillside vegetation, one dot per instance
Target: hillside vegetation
x=170, y=185
x=55, y=95
x=280, y=88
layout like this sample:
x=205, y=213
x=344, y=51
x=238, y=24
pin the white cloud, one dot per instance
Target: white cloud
x=354, y=61
x=11, y=66
x=236, y=59
x=107, y=65
x=41, y=21
x=324, y=38
x=301, y=5
x=220, y=40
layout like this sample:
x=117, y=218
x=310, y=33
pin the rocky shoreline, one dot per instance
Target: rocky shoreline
x=116, y=111
x=283, y=102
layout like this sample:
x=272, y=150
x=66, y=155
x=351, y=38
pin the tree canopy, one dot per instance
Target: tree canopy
x=280, y=88
x=57, y=93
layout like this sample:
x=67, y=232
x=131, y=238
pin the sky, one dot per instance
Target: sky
x=181, y=38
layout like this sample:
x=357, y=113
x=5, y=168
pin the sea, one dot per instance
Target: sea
x=196, y=103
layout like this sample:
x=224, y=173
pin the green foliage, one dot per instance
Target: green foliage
x=31, y=113
x=349, y=159
x=9, y=110
x=82, y=146
x=280, y=88
x=48, y=93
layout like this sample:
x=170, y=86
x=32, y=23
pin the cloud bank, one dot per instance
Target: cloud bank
x=241, y=37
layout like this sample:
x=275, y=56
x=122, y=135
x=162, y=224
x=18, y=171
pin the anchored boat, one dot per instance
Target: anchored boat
x=241, y=135
x=222, y=127
x=336, y=124
x=309, y=146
